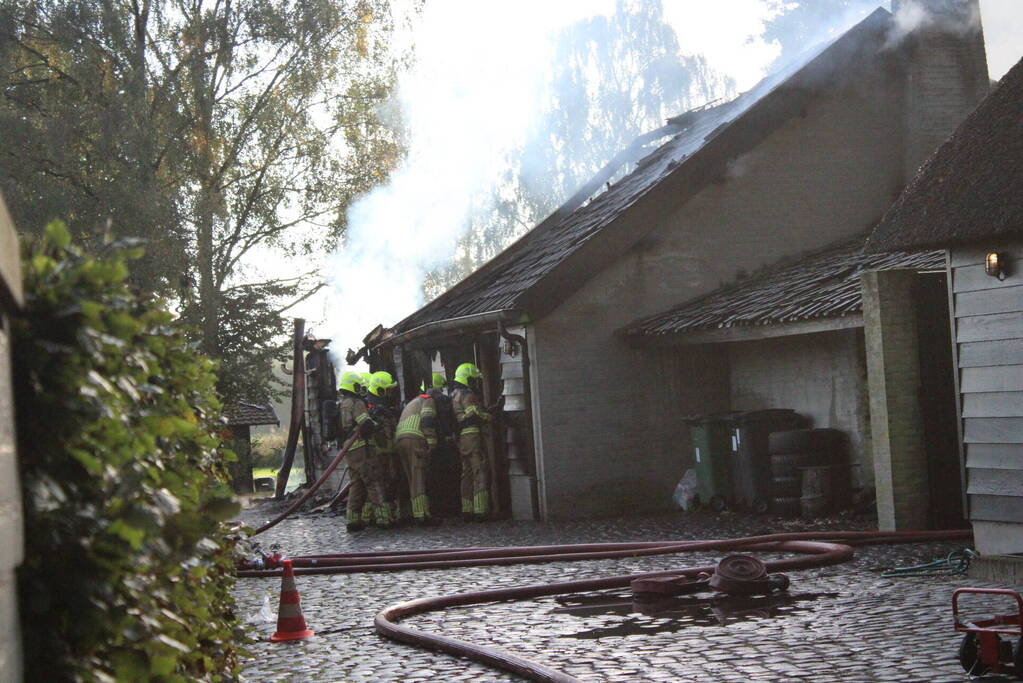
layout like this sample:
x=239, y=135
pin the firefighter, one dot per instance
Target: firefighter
x=381, y=401
x=365, y=498
x=472, y=423
x=418, y=433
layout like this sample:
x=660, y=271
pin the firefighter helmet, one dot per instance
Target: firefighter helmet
x=467, y=372
x=350, y=381
x=438, y=381
x=380, y=382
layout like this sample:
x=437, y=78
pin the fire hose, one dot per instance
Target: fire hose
x=822, y=553
x=312, y=489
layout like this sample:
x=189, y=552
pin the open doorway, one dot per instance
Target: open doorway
x=937, y=401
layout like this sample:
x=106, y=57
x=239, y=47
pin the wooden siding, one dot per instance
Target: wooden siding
x=989, y=352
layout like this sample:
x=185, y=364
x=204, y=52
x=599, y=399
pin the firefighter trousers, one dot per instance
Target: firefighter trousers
x=365, y=496
x=415, y=459
x=475, y=474
x=396, y=490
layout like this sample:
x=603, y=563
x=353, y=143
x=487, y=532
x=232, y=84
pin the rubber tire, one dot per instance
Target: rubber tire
x=969, y=656
x=788, y=464
x=820, y=442
x=786, y=487
x=786, y=506
x=718, y=503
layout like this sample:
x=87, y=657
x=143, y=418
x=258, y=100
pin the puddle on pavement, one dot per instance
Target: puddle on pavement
x=669, y=615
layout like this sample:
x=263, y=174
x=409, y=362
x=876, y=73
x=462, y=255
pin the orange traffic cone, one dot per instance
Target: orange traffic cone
x=290, y=622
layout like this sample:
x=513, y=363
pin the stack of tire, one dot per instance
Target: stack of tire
x=793, y=450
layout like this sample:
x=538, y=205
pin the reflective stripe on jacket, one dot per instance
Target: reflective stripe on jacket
x=419, y=419
x=466, y=405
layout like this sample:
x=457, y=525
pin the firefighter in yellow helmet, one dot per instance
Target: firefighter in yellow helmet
x=420, y=428
x=472, y=420
x=382, y=401
x=365, y=497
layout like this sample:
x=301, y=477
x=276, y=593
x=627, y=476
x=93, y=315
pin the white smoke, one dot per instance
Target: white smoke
x=962, y=18
x=473, y=92
x=476, y=89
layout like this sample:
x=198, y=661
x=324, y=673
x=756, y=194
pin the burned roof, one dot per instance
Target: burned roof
x=972, y=187
x=244, y=414
x=548, y=262
x=821, y=284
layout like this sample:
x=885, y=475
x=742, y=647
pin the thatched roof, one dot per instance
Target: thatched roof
x=971, y=189
x=244, y=414
x=814, y=286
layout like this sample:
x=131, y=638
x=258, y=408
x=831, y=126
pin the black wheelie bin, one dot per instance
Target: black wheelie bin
x=751, y=460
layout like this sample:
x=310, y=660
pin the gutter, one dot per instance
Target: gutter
x=475, y=320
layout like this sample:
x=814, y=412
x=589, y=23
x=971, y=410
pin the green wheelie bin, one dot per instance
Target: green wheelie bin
x=711, y=437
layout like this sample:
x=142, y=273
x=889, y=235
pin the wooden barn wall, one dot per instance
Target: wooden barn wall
x=608, y=421
x=989, y=344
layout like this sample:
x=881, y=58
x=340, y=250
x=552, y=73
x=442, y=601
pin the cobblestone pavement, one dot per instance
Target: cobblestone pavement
x=843, y=623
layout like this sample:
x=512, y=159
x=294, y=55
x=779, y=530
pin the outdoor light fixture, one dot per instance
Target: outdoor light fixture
x=994, y=265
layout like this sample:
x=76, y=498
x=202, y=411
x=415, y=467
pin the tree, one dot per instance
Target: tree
x=613, y=78
x=220, y=131
x=799, y=25
x=86, y=128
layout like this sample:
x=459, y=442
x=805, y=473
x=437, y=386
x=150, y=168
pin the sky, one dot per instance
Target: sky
x=463, y=113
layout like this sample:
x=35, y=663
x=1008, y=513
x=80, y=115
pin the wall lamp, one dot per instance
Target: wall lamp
x=994, y=265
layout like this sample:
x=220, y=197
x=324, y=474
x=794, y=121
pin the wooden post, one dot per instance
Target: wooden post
x=297, y=408
x=10, y=489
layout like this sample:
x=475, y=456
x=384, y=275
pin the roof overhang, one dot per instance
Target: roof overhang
x=454, y=326
x=724, y=335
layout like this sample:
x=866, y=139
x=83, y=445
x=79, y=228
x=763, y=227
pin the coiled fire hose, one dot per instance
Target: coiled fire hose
x=822, y=553
x=312, y=489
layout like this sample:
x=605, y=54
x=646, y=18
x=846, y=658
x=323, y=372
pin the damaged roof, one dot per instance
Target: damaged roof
x=822, y=284
x=244, y=414
x=972, y=187
x=557, y=256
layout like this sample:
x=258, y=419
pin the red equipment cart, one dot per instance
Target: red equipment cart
x=983, y=649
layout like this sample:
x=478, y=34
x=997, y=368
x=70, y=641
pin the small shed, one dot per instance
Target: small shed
x=806, y=333
x=241, y=418
x=968, y=200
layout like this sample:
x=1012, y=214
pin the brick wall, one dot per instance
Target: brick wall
x=609, y=414
x=893, y=370
x=821, y=376
x=947, y=77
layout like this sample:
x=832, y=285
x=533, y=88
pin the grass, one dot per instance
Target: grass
x=296, y=477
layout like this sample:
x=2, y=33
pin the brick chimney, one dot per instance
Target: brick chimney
x=947, y=72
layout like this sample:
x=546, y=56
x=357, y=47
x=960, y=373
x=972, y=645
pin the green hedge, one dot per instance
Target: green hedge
x=128, y=567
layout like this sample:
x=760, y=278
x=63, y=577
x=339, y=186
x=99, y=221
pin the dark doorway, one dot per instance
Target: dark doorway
x=937, y=402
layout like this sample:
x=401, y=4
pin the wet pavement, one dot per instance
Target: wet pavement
x=843, y=623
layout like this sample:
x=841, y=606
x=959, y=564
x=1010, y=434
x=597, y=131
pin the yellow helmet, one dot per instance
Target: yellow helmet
x=350, y=381
x=466, y=372
x=366, y=378
x=380, y=382
x=438, y=381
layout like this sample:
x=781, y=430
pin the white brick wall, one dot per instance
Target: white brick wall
x=821, y=376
